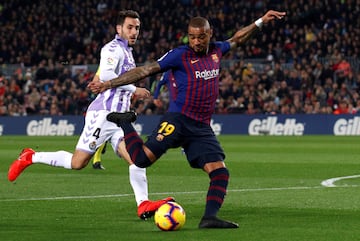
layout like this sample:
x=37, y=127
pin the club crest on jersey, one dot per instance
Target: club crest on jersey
x=92, y=146
x=159, y=137
x=215, y=58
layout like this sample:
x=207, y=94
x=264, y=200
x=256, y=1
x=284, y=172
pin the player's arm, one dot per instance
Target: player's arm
x=142, y=92
x=97, y=75
x=163, y=80
x=244, y=34
x=109, y=62
x=132, y=76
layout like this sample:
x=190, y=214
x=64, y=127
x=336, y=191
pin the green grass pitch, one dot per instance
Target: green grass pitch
x=275, y=193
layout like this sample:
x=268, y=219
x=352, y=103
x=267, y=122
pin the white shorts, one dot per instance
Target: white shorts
x=97, y=130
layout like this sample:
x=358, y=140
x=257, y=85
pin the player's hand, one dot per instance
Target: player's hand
x=271, y=15
x=96, y=86
x=142, y=92
x=158, y=103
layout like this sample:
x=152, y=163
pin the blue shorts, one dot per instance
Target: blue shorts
x=197, y=138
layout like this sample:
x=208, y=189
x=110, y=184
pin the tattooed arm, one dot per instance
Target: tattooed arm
x=132, y=76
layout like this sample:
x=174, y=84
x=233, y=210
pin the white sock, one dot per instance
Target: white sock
x=56, y=159
x=138, y=181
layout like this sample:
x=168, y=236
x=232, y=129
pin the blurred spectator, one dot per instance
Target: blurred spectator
x=283, y=93
x=342, y=69
x=342, y=108
x=316, y=53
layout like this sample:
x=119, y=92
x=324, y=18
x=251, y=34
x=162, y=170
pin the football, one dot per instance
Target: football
x=170, y=217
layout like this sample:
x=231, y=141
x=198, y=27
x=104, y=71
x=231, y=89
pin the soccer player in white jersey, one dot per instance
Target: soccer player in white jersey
x=116, y=58
x=101, y=149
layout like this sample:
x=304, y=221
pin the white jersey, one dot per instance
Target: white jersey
x=116, y=58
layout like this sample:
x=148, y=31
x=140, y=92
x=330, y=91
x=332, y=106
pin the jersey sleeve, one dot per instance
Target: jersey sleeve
x=109, y=60
x=108, y=63
x=224, y=46
x=170, y=59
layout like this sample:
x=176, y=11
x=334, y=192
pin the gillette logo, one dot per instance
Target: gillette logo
x=349, y=127
x=270, y=126
x=45, y=127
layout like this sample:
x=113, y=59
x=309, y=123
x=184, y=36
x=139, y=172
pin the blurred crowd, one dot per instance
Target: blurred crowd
x=306, y=63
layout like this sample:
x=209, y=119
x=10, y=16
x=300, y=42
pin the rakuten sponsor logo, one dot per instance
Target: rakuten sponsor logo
x=45, y=127
x=207, y=74
x=270, y=126
x=346, y=127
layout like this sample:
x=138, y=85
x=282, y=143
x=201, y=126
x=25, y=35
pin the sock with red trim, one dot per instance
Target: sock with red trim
x=219, y=179
x=134, y=145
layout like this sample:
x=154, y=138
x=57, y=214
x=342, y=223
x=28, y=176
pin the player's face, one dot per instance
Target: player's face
x=129, y=30
x=199, y=38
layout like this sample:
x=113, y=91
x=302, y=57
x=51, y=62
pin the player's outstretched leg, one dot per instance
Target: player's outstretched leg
x=214, y=222
x=119, y=118
x=19, y=165
x=148, y=208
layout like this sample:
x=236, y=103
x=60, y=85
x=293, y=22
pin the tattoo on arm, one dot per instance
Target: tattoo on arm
x=136, y=74
x=243, y=35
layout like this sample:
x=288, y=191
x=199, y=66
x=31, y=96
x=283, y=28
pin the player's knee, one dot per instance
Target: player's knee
x=212, y=166
x=78, y=165
x=80, y=159
x=143, y=163
x=144, y=158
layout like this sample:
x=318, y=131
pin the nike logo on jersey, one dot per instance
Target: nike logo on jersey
x=193, y=61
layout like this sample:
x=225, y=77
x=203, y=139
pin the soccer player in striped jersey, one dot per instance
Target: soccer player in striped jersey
x=196, y=68
x=116, y=59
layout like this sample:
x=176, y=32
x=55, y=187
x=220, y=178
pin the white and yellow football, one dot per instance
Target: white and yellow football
x=170, y=217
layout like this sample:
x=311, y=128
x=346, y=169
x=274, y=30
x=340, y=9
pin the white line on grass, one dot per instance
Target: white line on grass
x=330, y=182
x=67, y=197
x=177, y=193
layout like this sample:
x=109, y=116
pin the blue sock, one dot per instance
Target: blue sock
x=219, y=179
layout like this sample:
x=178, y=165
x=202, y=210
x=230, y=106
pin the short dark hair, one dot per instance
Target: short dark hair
x=198, y=22
x=126, y=14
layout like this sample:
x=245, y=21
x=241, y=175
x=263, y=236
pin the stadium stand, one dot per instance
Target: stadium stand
x=308, y=63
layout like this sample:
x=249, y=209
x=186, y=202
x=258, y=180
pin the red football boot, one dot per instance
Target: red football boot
x=148, y=208
x=19, y=165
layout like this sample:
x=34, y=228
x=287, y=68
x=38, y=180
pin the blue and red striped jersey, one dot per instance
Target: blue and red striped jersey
x=196, y=79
